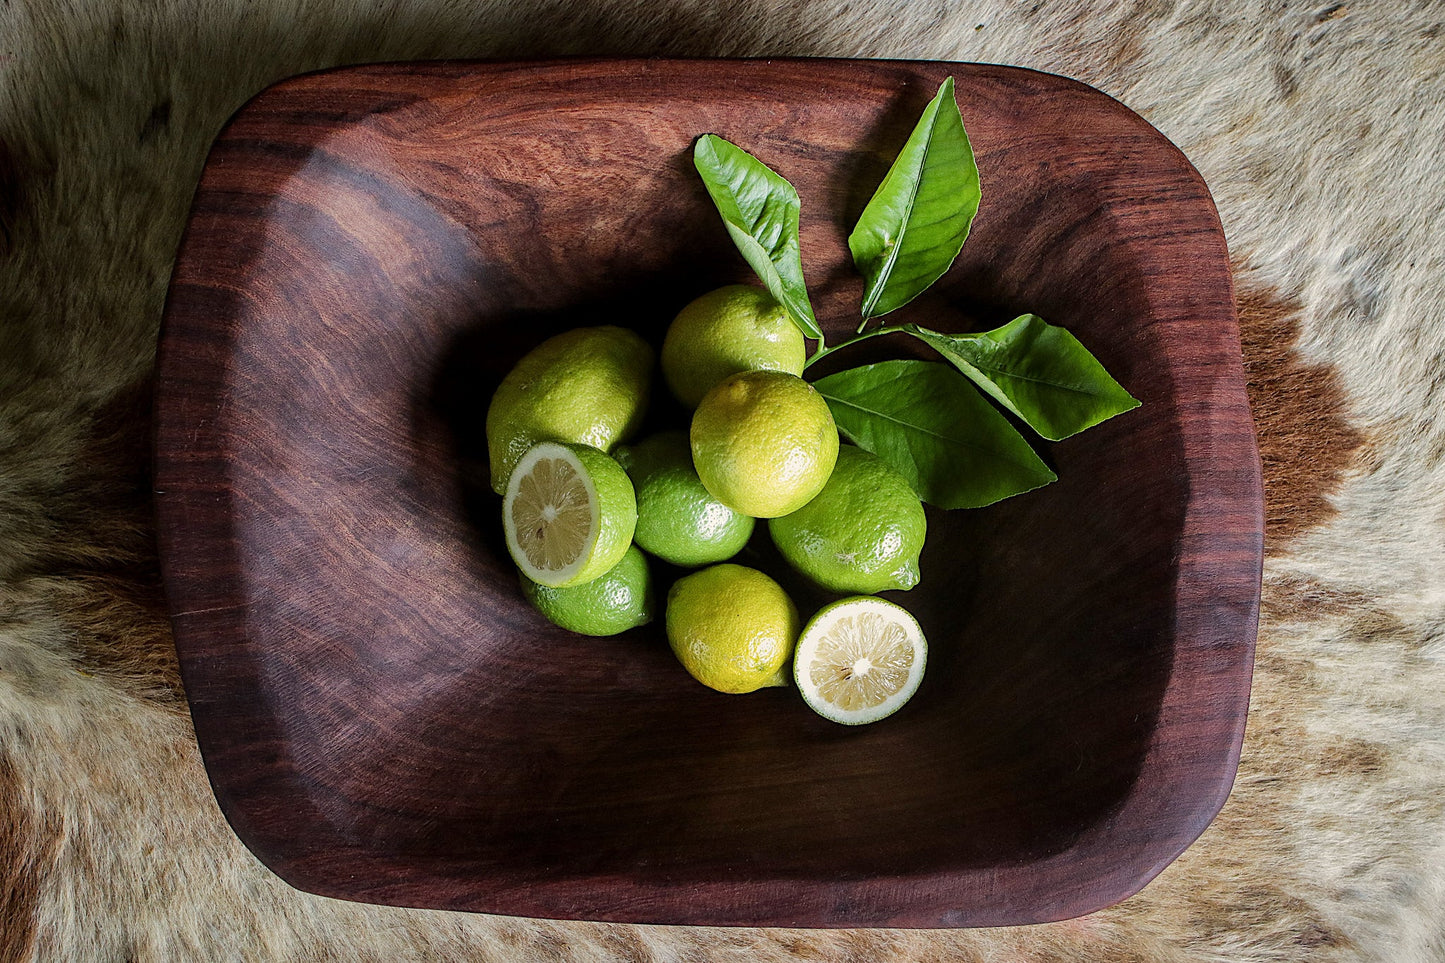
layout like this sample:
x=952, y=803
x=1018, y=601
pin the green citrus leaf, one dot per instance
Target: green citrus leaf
x=917, y=221
x=954, y=448
x=760, y=210
x=1038, y=371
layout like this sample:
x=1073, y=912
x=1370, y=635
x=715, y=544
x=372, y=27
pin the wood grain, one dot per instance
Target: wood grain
x=382, y=716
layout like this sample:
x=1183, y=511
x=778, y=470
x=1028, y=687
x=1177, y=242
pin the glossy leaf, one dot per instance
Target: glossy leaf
x=760, y=209
x=956, y=449
x=1037, y=370
x=913, y=228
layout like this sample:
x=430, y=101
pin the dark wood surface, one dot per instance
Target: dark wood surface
x=382, y=716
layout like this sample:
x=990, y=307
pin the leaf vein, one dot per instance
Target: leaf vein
x=920, y=429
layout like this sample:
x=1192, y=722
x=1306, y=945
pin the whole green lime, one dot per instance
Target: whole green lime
x=763, y=442
x=677, y=519
x=862, y=533
x=619, y=599
x=734, y=328
x=586, y=386
x=732, y=628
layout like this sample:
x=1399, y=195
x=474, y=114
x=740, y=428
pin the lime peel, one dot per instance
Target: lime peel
x=725, y=331
x=585, y=386
x=678, y=520
x=861, y=534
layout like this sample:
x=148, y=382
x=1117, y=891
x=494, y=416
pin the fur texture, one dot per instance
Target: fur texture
x=1317, y=129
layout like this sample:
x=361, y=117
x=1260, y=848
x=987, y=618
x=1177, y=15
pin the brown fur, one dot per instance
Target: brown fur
x=1305, y=440
x=19, y=887
x=1316, y=130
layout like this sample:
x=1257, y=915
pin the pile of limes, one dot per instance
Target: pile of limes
x=762, y=444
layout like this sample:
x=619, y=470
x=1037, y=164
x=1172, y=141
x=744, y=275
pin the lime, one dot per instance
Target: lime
x=735, y=328
x=732, y=628
x=677, y=520
x=587, y=386
x=863, y=531
x=859, y=660
x=617, y=600
x=764, y=442
x=568, y=514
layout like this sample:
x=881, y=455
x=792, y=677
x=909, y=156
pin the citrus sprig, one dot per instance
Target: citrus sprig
x=952, y=445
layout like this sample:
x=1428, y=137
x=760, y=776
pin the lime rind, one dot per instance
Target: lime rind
x=725, y=331
x=763, y=442
x=837, y=652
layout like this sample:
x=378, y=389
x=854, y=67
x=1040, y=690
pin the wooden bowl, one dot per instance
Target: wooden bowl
x=382, y=716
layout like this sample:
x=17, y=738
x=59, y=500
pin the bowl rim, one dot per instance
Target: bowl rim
x=194, y=543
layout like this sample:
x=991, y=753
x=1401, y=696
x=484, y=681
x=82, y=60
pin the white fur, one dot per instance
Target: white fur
x=1317, y=129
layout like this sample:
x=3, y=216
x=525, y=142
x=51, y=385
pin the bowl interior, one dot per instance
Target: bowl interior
x=383, y=268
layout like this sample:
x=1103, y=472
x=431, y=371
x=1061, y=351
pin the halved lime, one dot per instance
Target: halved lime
x=568, y=514
x=859, y=660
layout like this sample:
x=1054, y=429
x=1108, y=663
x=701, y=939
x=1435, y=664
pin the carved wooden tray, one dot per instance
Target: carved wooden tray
x=382, y=716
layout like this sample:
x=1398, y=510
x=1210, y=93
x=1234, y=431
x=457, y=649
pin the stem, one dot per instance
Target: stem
x=821, y=352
